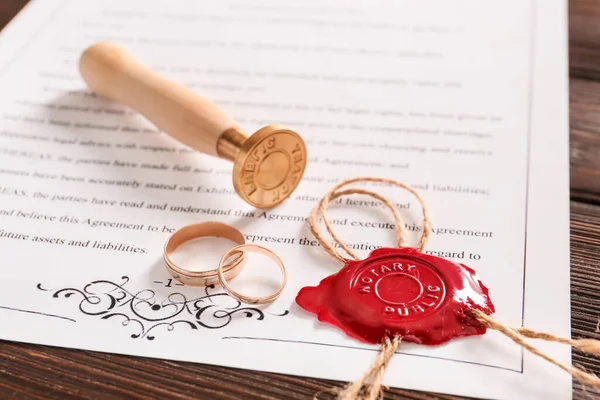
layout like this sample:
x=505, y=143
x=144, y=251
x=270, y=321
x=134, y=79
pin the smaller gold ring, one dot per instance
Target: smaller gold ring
x=256, y=249
x=195, y=231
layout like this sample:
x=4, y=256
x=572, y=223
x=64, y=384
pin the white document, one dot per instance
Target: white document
x=464, y=100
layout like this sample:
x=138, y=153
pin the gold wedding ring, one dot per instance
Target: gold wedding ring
x=199, y=230
x=242, y=249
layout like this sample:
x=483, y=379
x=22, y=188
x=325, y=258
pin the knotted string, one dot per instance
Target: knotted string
x=368, y=386
x=518, y=336
x=334, y=193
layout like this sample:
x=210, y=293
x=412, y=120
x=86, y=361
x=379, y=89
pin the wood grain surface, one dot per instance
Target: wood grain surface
x=584, y=39
x=32, y=371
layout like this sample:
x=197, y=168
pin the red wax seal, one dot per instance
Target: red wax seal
x=420, y=297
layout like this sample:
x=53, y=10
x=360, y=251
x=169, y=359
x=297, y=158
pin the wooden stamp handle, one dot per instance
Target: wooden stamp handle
x=112, y=72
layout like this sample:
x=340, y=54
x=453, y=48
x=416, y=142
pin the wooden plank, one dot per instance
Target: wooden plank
x=38, y=371
x=584, y=39
x=8, y=9
x=585, y=140
x=585, y=284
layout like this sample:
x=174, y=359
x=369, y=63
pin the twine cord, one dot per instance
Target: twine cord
x=590, y=346
x=517, y=337
x=334, y=193
x=322, y=208
x=368, y=386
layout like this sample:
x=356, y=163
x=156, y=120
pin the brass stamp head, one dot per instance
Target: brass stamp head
x=268, y=166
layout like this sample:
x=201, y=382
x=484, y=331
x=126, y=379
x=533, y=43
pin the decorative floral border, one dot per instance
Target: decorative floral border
x=145, y=312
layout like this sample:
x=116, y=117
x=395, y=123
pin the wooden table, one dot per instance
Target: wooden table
x=31, y=371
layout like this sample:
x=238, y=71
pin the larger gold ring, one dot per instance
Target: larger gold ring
x=257, y=249
x=195, y=231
